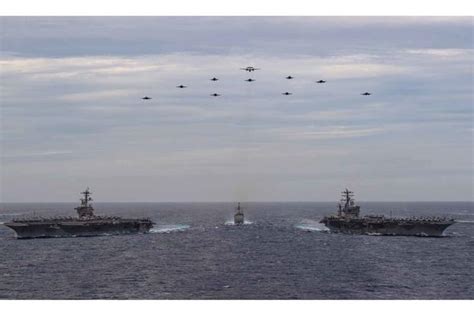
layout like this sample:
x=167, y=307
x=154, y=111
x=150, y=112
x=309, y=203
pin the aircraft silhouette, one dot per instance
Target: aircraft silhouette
x=146, y=98
x=250, y=80
x=250, y=68
x=320, y=81
x=287, y=93
x=214, y=79
x=215, y=94
x=366, y=93
x=181, y=86
x=289, y=77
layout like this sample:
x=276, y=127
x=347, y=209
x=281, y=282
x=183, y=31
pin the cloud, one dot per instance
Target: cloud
x=444, y=53
x=71, y=106
x=98, y=96
x=36, y=154
x=286, y=36
x=334, y=132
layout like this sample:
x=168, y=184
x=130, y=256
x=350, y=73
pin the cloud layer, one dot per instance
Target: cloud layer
x=72, y=113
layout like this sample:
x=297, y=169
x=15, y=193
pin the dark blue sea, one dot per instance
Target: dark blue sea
x=281, y=253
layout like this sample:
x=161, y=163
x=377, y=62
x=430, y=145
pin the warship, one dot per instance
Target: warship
x=84, y=225
x=348, y=221
x=239, y=216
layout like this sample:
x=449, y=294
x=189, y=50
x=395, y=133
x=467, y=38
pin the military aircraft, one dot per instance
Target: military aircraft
x=215, y=94
x=366, y=93
x=250, y=68
x=250, y=80
x=214, y=79
x=287, y=93
x=181, y=86
x=321, y=81
x=146, y=98
x=289, y=77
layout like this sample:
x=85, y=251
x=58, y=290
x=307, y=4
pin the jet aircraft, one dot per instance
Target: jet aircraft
x=250, y=68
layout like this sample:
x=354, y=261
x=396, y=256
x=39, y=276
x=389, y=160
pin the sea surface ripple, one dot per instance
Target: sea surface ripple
x=283, y=253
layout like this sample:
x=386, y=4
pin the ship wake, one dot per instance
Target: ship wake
x=311, y=225
x=160, y=229
x=231, y=223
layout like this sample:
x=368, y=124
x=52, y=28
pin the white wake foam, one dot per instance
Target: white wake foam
x=231, y=222
x=168, y=228
x=311, y=225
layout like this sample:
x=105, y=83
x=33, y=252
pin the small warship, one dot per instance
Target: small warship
x=86, y=224
x=348, y=221
x=239, y=216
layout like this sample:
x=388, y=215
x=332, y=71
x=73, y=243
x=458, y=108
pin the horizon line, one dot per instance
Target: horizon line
x=235, y=201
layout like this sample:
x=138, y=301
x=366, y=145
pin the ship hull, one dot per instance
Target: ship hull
x=77, y=229
x=238, y=219
x=435, y=229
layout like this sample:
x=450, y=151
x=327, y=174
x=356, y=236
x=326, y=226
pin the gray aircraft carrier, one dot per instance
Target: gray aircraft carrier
x=348, y=221
x=86, y=224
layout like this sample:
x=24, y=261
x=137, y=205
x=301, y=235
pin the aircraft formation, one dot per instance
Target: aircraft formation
x=251, y=69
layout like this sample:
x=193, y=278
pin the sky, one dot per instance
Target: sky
x=72, y=116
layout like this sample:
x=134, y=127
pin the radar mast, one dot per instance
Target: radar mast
x=85, y=209
x=349, y=209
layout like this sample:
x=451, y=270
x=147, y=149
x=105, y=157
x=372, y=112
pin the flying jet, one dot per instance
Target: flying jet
x=250, y=80
x=146, y=98
x=321, y=81
x=181, y=86
x=214, y=79
x=289, y=77
x=287, y=93
x=366, y=93
x=250, y=68
x=215, y=94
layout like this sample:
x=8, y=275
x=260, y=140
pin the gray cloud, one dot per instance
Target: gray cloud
x=320, y=36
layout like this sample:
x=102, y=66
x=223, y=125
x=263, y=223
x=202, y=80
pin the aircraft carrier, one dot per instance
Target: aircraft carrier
x=84, y=225
x=348, y=221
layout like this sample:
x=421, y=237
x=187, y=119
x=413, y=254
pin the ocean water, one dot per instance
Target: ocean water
x=282, y=252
